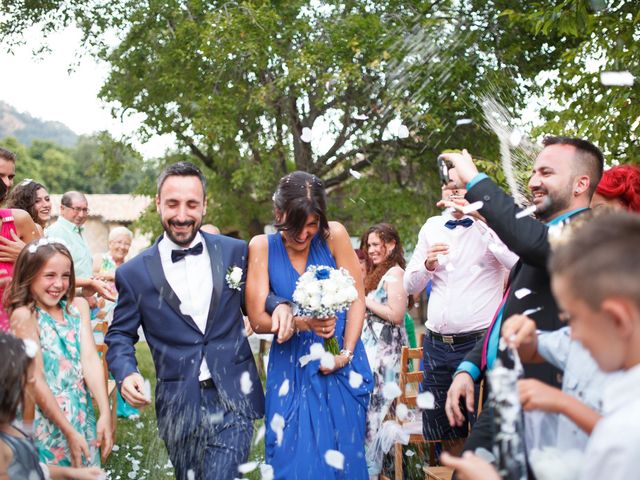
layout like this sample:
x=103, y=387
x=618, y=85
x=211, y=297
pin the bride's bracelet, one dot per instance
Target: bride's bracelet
x=347, y=353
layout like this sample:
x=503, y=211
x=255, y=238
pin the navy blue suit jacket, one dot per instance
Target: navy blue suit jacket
x=177, y=344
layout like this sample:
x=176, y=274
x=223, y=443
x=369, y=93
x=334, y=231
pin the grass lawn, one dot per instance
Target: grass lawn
x=140, y=454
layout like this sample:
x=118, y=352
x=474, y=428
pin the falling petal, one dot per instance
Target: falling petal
x=485, y=454
x=328, y=360
x=472, y=207
x=334, y=459
x=403, y=131
x=191, y=475
x=463, y=121
x=355, y=379
x=449, y=267
x=531, y=311
x=304, y=359
x=115, y=448
x=502, y=344
x=266, y=472
x=391, y=390
x=277, y=425
x=260, y=434
x=409, y=453
x=521, y=293
x=316, y=351
x=515, y=138
x=617, y=79
x=247, y=467
x=526, y=212
x=306, y=135
x=360, y=116
x=355, y=174
x=426, y=401
x=246, y=385
x=284, y=388
x=402, y=412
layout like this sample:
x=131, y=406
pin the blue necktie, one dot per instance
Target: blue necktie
x=465, y=222
x=177, y=255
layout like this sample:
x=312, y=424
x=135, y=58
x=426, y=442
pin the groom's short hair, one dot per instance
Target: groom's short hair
x=182, y=169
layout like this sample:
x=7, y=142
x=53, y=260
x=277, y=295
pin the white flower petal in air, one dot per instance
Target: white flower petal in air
x=391, y=390
x=402, y=412
x=403, y=131
x=515, y=138
x=30, y=348
x=246, y=385
x=355, y=174
x=284, y=388
x=191, y=475
x=260, y=434
x=247, y=467
x=306, y=135
x=502, y=344
x=472, y=207
x=334, y=459
x=409, y=453
x=449, y=267
x=266, y=472
x=316, y=351
x=355, y=379
x=526, y=212
x=304, y=359
x=360, y=116
x=426, y=401
x=521, y=293
x=485, y=454
x=463, y=121
x=277, y=425
x=328, y=360
x=531, y=311
x=617, y=79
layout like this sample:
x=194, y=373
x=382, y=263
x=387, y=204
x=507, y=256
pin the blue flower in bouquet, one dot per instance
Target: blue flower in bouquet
x=322, y=273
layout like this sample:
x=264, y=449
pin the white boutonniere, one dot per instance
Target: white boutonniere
x=234, y=278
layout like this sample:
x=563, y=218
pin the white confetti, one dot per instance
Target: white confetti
x=502, y=344
x=521, y=293
x=531, y=311
x=277, y=425
x=139, y=425
x=449, y=267
x=304, y=359
x=328, y=360
x=463, y=121
x=472, y=207
x=284, y=388
x=391, y=390
x=409, y=453
x=247, y=467
x=485, y=454
x=260, y=434
x=334, y=459
x=402, y=412
x=246, y=385
x=306, y=135
x=617, y=79
x=426, y=401
x=515, y=138
x=146, y=389
x=115, y=448
x=360, y=116
x=30, y=348
x=403, y=131
x=355, y=379
x=191, y=475
x=266, y=472
x=355, y=174
x=316, y=351
x=526, y=212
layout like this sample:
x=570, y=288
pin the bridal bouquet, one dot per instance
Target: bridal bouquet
x=323, y=292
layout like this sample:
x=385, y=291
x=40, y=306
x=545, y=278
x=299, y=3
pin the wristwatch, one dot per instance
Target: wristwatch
x=347, y=353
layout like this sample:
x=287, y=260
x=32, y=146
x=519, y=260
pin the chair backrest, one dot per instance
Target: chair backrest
x=101, y=328
x=409, y=380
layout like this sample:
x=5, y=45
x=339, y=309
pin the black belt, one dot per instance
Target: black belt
x=208, y=383
x=456, y=339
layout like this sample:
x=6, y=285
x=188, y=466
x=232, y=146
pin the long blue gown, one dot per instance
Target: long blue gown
x=321, y=412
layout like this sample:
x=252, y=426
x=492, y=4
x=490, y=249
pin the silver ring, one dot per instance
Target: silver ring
x=324, y=330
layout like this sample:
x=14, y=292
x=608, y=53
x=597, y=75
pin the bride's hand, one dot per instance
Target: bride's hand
x=340, y=361
x=282, y=324
x=323, y=327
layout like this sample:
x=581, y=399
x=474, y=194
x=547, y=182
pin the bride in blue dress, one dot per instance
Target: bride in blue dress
x=315, y=414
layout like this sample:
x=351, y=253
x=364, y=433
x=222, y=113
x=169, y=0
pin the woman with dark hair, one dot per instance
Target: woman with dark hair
x=619, y=187
x=383, y=334
x=315, y=409
x=33, y=198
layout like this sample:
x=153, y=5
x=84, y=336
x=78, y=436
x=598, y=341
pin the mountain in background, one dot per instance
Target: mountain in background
x=26, y=128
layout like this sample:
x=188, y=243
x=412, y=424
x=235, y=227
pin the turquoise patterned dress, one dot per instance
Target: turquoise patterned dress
x=60, y=343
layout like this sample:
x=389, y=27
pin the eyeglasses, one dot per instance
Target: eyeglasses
x=78, y=209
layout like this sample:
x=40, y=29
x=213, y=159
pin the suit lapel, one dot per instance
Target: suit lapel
x=217, y=273
x=159, y=280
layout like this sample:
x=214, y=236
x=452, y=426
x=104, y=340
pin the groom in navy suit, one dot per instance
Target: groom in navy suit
x=208, y=391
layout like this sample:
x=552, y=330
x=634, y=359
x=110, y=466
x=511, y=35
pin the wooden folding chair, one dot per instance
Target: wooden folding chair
x=101, y=328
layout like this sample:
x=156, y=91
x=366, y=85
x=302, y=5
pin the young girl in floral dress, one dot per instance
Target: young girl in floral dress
x=43, y=309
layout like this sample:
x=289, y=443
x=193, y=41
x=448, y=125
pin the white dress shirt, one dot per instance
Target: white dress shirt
x=191, y=280
x=613, y=450
x=468, y=286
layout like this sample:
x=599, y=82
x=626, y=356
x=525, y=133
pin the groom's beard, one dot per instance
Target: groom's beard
x=184, y=237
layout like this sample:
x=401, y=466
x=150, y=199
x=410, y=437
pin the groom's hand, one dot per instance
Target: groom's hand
x=132, y=391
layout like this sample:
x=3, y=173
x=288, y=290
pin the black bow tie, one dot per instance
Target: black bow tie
x=465, y=222
x=177, y=255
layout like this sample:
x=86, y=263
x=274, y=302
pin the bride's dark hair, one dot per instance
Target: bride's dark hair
x=299, y=195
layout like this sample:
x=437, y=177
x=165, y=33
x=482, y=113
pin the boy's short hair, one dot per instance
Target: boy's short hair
x=601, y=259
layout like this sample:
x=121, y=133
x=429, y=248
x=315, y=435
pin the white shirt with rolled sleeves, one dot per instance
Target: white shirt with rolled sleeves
x=190, y=278
x=464, y=298
x=613, y=451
